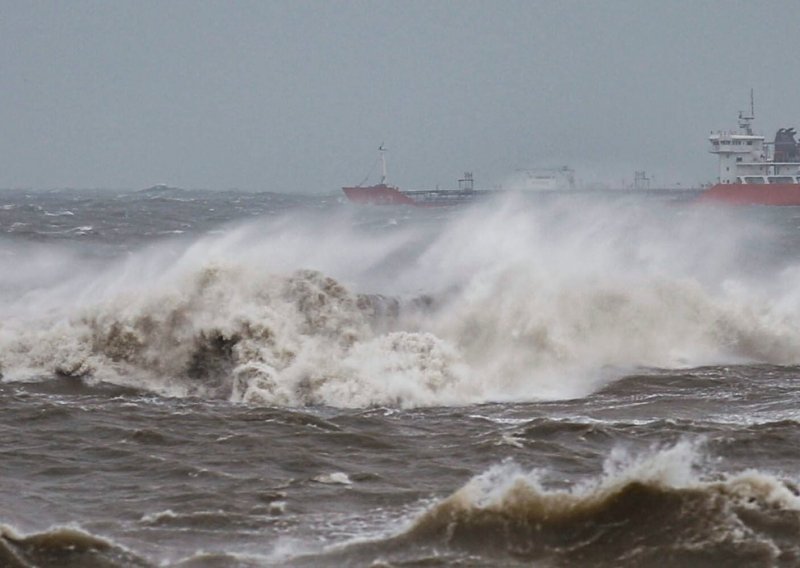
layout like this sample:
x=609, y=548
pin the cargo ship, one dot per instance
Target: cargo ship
x=384, y=194
x=753, y=171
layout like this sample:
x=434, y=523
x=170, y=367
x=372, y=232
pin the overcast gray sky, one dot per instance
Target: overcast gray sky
x=295, y=96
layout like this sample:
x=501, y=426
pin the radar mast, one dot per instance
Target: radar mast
x=745, y=121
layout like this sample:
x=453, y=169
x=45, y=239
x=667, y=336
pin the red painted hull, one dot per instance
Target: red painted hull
x=754, y=194
x=380, y=194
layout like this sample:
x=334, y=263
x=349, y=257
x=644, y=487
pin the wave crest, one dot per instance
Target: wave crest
x=62, y=547
x=651, y=510
x=258, y=338
x=655, y=510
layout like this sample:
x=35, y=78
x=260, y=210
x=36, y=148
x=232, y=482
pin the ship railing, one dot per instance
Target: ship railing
x=768, y=164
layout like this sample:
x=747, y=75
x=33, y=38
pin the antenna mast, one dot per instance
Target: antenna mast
x=744, y=121
x=383, y=162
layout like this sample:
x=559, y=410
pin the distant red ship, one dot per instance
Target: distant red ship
x=380, y=194
x=385, y=194
x=753, y=171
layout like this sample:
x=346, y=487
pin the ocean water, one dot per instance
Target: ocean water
x=209, y=379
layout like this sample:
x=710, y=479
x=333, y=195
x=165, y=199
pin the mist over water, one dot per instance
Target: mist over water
x=514, y=301
x=306, y=382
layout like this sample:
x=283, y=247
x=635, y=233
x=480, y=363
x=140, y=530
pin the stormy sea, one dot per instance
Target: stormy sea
x=211, y=379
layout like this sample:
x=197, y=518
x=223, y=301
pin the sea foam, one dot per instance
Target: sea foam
x=509, y=301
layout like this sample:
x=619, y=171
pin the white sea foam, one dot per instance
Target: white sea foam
x=159, y=516
x=505, y=302
x=508, y=510
x=510, y=488
x=335, y=478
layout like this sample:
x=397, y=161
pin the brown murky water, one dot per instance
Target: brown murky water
x=227, y=379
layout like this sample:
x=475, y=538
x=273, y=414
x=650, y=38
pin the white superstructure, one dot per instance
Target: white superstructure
x=745, y=157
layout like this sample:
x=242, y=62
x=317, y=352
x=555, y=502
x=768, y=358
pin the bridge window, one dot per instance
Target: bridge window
x=754, y=179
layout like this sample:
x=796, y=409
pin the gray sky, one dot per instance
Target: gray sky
x=296, y=96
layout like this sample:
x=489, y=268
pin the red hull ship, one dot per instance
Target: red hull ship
x=753, y=171
x=380, y=194
x=385, y=194
x=753, y=194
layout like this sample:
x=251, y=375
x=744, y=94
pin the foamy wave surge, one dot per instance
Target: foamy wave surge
x=507, y=302
x=651, y=509
x=64, y=546
x=232, y=333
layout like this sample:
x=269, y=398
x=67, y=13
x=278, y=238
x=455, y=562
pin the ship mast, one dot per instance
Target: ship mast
x=742, y=154
x=744, y=121
x=383, y=163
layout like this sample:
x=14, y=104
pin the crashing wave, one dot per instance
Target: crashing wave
x=62, y=547
x=507, y=304
x=654, y=510
x=296, y=340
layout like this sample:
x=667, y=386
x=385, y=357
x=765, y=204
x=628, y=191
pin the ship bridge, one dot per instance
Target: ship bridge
x=740, y=153
x=745, y=157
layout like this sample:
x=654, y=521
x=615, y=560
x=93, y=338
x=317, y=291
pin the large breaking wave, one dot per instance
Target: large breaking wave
x=503, y=302
x=663, y=507
x=655, y=509
x=63, y=547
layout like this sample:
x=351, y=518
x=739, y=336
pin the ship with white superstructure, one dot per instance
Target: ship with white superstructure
x=753, y=170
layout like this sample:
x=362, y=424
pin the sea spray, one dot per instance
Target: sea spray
x=654, y=507
x=513, y=301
